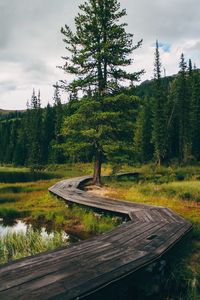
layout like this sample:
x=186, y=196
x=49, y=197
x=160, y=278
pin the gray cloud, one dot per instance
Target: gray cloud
x=31, y=44
x=172, y=19
x=8, y=86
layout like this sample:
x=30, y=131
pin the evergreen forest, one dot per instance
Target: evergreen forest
x=163, y=121
x=107, y=116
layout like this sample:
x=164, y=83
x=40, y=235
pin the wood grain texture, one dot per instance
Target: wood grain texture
x=79, y=270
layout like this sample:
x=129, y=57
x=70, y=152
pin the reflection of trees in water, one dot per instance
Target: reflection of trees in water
x=40, y=225
x=8, y=221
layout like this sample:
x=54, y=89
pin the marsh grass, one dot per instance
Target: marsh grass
x=15, y=189
x=95, y=222
x=12, y=213
x=41, y=209
x=159, y=175
x=7, y=199
x=176, y=188
x=179, y=190
x=17, y=245
x=24, y=176
x=24, y=200
x=31, y=200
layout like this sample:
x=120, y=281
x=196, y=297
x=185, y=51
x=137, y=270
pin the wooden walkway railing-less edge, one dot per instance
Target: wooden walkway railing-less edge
x=79, y=270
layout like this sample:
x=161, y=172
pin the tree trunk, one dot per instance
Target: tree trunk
x=97, y=168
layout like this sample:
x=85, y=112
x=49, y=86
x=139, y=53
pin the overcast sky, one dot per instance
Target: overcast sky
x=31, y=43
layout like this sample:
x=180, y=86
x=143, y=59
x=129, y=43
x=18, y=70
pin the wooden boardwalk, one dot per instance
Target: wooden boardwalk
x=79, y=270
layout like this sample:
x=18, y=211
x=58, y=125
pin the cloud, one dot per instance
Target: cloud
x=7, y=86
x=31, y=44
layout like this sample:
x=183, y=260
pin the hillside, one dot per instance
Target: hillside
x=146, y=88
x=7, y=112
x=4, y=112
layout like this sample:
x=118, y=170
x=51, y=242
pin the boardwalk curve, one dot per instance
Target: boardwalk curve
x=79, y=270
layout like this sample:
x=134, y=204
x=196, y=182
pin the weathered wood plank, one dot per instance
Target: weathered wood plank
x=37, y=269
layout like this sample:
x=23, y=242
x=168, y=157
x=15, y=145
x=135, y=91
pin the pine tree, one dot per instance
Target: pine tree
x=143, y=147
x=159, y=112
x=183, y=106
x=34, y=100
x=49, y=132
x=56, y=144
x=172, y=121
x=190, y=68
x=35, y=132
x=58, y=111
x=195, y=113
x=99, y=48
x=102, y=130
x=21, y=149
x=38, y=101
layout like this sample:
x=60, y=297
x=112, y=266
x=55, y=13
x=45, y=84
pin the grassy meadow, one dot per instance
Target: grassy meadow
x=31, y=202
x=177, y=188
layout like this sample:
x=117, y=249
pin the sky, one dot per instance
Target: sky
x=31, y=44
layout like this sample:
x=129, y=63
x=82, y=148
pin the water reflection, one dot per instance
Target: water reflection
x=19, y=226
x=8, y=222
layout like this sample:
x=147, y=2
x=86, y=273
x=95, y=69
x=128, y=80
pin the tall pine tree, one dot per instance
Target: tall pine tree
x=57, y=149
x=183, y=111
x=99, y=49
x=35, y=132
x=195, y=113
x=143, y=147
x=159, y=112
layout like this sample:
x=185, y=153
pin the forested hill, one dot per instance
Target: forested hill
x=5, y=112
x=147, y=87
x=10, y=114
x=165, y=126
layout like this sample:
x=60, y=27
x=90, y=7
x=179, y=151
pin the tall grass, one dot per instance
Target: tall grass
x=17, y=245
x=94, y=222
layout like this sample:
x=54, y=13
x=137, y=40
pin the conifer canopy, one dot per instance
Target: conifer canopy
x=99, y=49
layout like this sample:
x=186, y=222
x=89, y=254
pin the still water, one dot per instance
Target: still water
x=19, y=226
